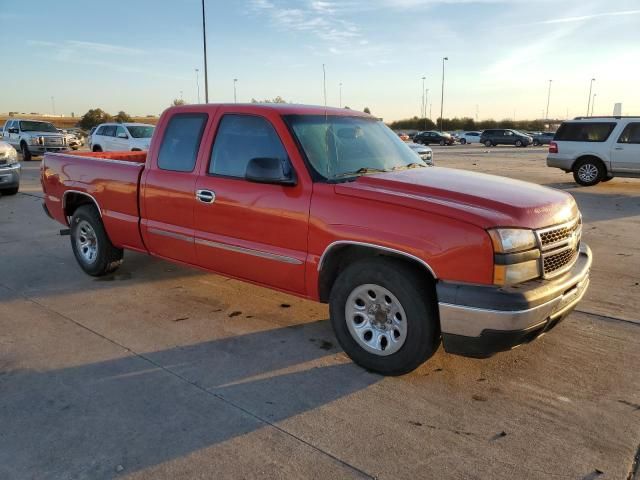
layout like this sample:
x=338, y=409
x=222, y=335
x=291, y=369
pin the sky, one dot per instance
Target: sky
x=139, y=55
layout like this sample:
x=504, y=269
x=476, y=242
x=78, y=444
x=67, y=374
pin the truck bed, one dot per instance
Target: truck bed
x=110, y=180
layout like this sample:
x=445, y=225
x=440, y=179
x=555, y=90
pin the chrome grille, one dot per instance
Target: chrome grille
x=560, y=246
x=52, y=141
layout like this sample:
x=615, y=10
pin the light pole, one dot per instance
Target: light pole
x=204, y=42
x=181, y=95
x=426, y=100
x=324, y=85
x=590, y=87
x=198, y=84
x=548, y=98
x=235, y=93
x=423, y=105
x=340, y=100
x=593, y=103
x=442, y=96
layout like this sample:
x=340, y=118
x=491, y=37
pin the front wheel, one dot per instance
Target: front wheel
x=518, y=143
x=26, y=154
x=442, y=143
x=488, y=143
x=91, y=246
x=463, y=141
x=588, y=172
x=384, y=316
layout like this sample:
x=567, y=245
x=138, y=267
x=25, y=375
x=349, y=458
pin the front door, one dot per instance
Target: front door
x=168, y=195
x=253, y=231
x=625, y=157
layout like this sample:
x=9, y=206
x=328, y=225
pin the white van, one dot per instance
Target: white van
x=596, y=149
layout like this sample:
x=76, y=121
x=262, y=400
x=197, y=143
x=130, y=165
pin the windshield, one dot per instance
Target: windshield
x=338, y=146
x=140, y=131
x=28, y=126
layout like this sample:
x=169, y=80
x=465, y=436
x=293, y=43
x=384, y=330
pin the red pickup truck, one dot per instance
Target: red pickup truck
x=330, y=205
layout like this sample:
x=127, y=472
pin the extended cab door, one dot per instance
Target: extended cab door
x=168, y=187
x=254, y=231
x=625, y=157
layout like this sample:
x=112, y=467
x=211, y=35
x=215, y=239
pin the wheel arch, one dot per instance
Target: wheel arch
x=338, y=255
x=72, y=199
x=589, y=156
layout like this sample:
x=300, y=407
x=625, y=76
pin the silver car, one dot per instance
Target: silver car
x=424, y=152
x=9, y=170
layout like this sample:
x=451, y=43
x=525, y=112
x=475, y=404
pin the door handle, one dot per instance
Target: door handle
x=619, y=148
x=205, y=196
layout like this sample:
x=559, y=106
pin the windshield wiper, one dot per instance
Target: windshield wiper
x=361, y=171
x=411, y=165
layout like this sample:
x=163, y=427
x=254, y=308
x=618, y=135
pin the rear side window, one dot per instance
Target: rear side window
x=631, y=134
x=181, y=142
x=584, y=131
x=241, y=138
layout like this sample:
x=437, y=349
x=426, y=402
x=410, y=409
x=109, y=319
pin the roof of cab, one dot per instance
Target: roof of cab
x=281, y=108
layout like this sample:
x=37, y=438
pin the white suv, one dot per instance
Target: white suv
x=111, y=137
x=596, y=149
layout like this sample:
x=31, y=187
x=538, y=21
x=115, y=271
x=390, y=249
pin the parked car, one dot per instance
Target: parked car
x=432, y=136
x=33, y=137
x=115, y=137
x=73, y=141
x=403, y=136
x=505, y=136
x=543, y=138
x=330, y=205
x=9, y=170
x=470, y=137
x=424, y=152
x=597, y=149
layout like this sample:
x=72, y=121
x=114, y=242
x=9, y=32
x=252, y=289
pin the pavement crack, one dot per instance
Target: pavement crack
x=608, y=317
x=199, y=387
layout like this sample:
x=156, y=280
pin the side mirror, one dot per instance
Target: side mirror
x=123, y=135
x=269, y=170
x=14, y=130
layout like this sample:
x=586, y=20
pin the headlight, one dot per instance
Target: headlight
x=507, y=240
x=34, y=140
x=516, y=255
x=10, y=155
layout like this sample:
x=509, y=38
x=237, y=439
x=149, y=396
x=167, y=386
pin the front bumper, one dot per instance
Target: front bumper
x=479, y=321
x=10, y=176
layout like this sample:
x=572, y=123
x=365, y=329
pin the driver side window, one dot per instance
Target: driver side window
x=241, y=138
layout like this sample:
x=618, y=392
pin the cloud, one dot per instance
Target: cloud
x=583, y=18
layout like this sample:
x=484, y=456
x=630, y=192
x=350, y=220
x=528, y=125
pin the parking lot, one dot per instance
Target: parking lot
x=158, y=371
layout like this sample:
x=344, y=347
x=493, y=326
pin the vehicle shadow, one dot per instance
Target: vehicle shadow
x=134, y=412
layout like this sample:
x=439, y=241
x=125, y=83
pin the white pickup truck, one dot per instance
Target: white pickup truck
x=596, y=149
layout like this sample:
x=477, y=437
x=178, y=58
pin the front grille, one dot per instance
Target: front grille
x=52, y=141
x=560, y=246
x=557, y=261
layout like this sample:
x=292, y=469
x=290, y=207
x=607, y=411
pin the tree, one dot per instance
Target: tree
x=177, y=101
x=93, y=118
x=122, y=117
x=346, y=107
x=366, y=110
x=278, y=99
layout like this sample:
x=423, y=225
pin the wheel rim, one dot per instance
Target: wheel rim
x=518, y=143
x=588, y=172
x=376, y=319
x=487, y=144
x=86, y=241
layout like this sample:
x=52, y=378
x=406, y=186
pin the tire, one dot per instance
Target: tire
x=463, y=141
x=442, y=143
x=518, y=143
x=26, y=154
x=588, y=171
x=536, y=143
x=488, y=143
x=9, y=191
x=97, y=148
x=606, y=179
x=417, y=330
x=91, y=246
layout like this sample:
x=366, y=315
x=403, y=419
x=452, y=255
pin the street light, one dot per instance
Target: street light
x=235, y=95
x=426, y=100
x=204, y=42
x=198, y=84
x=442, y=96
x=590, y=87
x=423, y=105
x=548, y=98
x=593, y=103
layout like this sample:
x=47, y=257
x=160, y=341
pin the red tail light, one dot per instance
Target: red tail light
x=553, y=147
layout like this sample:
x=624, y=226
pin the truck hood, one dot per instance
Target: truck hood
x=480, y=199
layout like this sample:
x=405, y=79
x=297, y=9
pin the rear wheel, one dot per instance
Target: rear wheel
x=536, y=143
x=488, y=143
x=383, y=313
x=97, y=148
x=91, y=246
x=26, y=154
x=463, y=141
x=518, y=143
x=442, y=143
x=588, y=172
